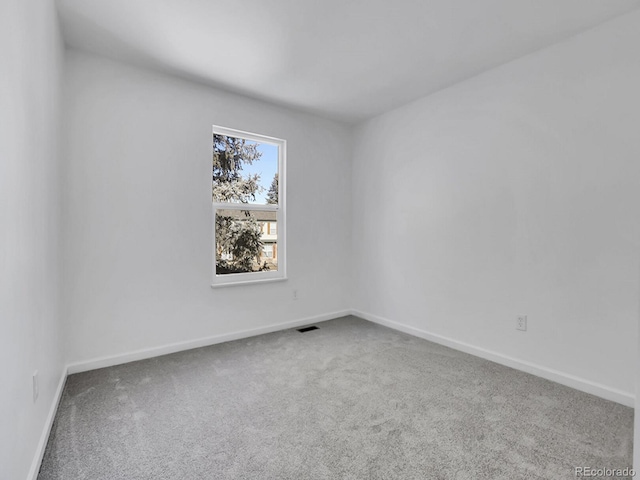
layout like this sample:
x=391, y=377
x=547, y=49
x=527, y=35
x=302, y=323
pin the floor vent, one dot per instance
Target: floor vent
x=307, y=329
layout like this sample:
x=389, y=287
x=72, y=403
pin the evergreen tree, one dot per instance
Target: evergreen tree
x=229, y=156
x=237, y=235
x=272, y=194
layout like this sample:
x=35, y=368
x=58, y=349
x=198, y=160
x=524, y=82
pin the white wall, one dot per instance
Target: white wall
x=515, y=192
x=636, y=416
x=137, y=205
x=30, y=69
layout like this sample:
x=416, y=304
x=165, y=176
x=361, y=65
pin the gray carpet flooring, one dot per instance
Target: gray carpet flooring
x=351, y=400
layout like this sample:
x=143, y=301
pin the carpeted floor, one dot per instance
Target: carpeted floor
x=351, y=400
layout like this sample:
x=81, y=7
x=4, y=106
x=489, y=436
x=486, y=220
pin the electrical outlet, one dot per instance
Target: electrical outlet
x=522, y=323
x=295, y=294
x=36, y=390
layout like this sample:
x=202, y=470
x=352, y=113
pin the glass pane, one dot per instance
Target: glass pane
x=246, y=241
x=244, y=171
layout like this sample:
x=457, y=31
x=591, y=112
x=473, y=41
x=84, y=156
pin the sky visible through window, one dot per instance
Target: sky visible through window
x=266, y=167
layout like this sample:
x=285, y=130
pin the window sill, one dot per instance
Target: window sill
x=248, y=282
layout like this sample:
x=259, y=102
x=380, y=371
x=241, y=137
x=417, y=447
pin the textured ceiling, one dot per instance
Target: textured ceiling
x=347, y=59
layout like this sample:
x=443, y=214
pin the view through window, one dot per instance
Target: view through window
x=248, y=206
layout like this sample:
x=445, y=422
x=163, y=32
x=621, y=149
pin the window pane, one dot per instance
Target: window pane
x=244, y=171
x=243, y=244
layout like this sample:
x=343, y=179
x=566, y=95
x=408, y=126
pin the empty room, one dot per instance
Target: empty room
x=296, y=239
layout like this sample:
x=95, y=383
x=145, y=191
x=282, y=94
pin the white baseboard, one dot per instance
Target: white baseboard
x=110, y=361
x=44, y=437
x=603, y=391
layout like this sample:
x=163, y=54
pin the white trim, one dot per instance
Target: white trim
x=44, y=437
x=603, y=391
x=246, y=206
x=247, y=278
x=112, y=360
x=254, y=137
x=248, y=282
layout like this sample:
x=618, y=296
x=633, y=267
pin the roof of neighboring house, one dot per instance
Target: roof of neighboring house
x=260, y=215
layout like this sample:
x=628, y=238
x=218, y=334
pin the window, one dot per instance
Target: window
x=247, y=193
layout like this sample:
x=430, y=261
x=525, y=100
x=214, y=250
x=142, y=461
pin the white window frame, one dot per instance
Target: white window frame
x=255, y=277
